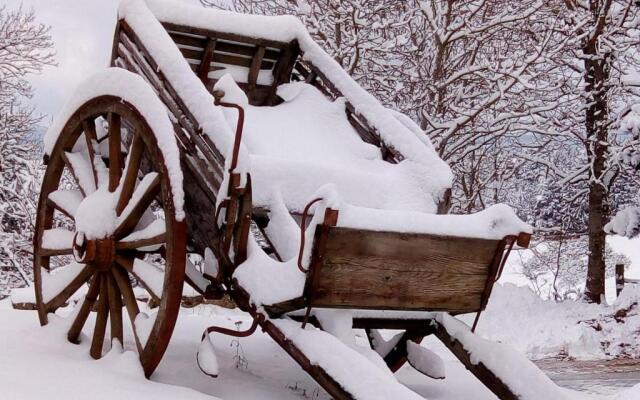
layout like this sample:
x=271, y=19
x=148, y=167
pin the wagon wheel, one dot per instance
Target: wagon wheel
x=106, y=218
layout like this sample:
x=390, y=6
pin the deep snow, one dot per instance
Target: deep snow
x=38, y=362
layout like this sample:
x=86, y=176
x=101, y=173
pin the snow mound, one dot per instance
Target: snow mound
x=625, y=223
x=307, y=141
x=545, y=328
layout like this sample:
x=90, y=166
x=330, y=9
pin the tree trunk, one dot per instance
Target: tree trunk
x=596, y=266
x=597, y=131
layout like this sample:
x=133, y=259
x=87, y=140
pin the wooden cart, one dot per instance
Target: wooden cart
x=107, y=145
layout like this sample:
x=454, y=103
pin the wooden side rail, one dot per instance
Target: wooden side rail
x=206, y=159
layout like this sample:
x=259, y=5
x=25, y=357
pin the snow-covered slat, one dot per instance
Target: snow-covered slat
x=194, y=277
x=151, y=277
x=146, y=188
x=53, y=283
x=56, y=241
x=67, y=201
x=143, y=324
x=355, y=373
x=148, y=238
x=425, y=361
x=497, y=365
x=82, y=171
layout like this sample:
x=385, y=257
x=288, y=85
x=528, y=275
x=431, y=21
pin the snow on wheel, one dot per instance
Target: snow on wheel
x=107, y=221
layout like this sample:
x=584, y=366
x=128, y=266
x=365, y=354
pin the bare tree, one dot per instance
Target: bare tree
x=556, y=270
x=25, y=47
x=596, y=49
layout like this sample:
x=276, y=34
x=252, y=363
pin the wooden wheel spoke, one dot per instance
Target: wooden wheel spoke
x=101, y=320
x=115, y=309
x=65, y=201
x=152, y=236
x=139, y=243
x=142, y=197
x=150, y=277
x=91, y=139
x=85, y=309
x=55, y=252
x=115, y=152
x=72, y=285
x=79, y=168
x=56, y=242
x=128, y=184
x=124, y=286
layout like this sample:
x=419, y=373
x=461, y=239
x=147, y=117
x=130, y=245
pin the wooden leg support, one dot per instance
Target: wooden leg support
x=480, y=371
x=397, y=357
x=332, y=387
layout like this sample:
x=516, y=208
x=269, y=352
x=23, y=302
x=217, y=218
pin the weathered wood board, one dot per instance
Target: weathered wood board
x=354, y=268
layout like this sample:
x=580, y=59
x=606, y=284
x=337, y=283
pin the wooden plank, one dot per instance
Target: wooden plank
x=388, y=270
x=171, y=27
x=207, y=56
x=283, y=68
x=231, y=59
x=236, y=48
x=200, y=42
x=254, y=69
x=189, y=40
x=191, y=54
x=484, y=374
x=114, y=45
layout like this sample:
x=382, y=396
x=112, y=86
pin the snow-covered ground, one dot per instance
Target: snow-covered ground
x=576, y=330
x=38, y=362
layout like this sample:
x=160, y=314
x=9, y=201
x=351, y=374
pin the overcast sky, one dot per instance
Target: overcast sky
x=82, y=31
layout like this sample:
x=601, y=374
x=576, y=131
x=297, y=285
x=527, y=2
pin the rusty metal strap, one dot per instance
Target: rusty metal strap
x=511, y=241
x=303, y=225
x=491, y=280
x=231, y=332
x=218, y=95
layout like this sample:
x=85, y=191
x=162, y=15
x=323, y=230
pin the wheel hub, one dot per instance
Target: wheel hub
x=98, y=252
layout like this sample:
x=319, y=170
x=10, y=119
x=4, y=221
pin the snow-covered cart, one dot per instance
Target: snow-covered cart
x=230, y=152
